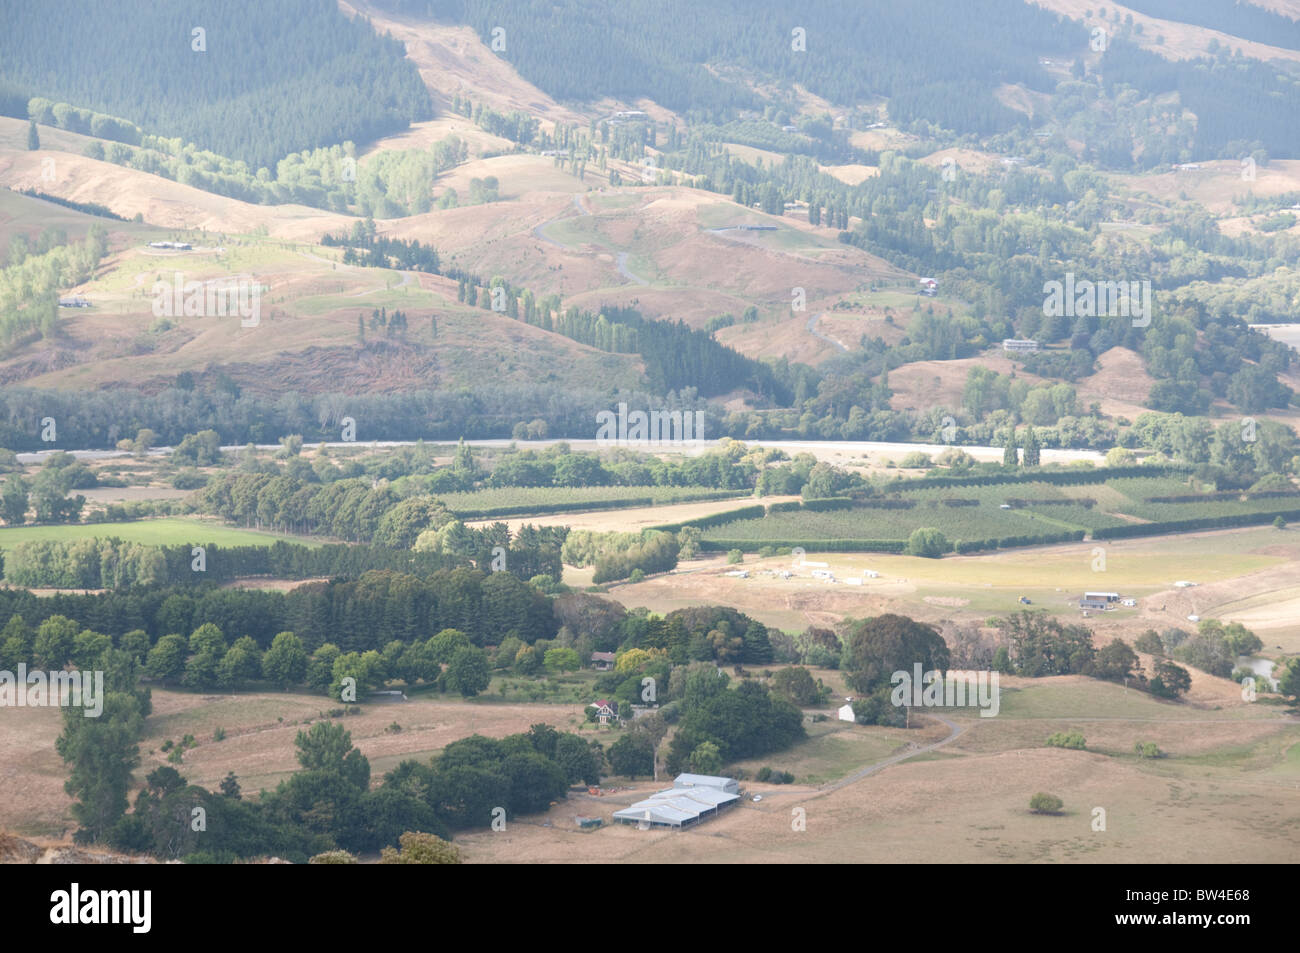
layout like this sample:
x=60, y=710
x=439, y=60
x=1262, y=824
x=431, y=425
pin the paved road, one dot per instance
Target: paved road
x=622, y=270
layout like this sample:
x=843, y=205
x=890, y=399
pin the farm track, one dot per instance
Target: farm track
x=812, y=329
x=955, y=731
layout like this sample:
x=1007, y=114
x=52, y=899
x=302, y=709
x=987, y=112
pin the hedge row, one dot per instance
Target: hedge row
x=1184, y=526
x=1014, y=542
x=1223, y=495
x=829, y=503
x=1054, y=477
x=539, y=509
x=758, y=511
x=808, y=545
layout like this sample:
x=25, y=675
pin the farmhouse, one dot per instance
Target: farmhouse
x=1086, y=603
x=1102, y=596
x=606, y=711
x=691, y=799
x=602, y=661
x=845, y=713
x=928, y=286
x=1020, y=344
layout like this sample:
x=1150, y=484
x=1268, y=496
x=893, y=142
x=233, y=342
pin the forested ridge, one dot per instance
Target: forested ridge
x=291, y=76
x=667, y=51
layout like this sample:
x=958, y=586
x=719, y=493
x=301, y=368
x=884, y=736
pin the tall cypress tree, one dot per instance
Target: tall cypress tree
x=1009, y=449
x=1032, y=450
x=33, y=137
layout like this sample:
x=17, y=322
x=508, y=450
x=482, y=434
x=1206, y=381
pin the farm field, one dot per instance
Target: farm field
x=168, y=531
x=631, y=519
x=1013, y=514
x=1229, y=566
x=1224, y=771
x=521, y=501
x=967, y=802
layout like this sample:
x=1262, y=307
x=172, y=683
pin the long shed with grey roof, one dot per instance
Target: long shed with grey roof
x=691, y=799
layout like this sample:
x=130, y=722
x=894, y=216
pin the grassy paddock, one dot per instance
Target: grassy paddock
x=169, y=531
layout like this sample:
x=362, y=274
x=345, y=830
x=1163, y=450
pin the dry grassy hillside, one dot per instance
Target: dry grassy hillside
x=1181, y=40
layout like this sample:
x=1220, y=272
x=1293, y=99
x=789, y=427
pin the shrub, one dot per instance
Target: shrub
x=1147, y=749
x=219, y=734
x=333, y=857
x=735, y=556
x=1042, y=803
x=1072, y=740
x=419, y=848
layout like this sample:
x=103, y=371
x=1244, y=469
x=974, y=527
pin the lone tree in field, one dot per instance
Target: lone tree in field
x=927, y=541
x=33, y=137
x=1042, y=803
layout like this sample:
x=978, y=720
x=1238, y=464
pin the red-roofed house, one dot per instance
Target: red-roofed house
x=606, y=711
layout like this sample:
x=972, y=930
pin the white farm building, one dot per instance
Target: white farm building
x=691, y=799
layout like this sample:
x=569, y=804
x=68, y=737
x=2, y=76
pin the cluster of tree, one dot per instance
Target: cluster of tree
x=318, y=76
x=1044, y=405
x=1234, y=454
x=620, y=558
x=33, y=277
x=728, y=467
x=329, y=806
x=718, y=725
x=516, y=126
x=357, y=615
x=1213, y=648
x=351, y=509
x=47, y=492
x=530, y=552
x=364, y=247
x=111, y=563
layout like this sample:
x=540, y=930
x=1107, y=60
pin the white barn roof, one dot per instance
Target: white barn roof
x=706, y=781
x=678, y=806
